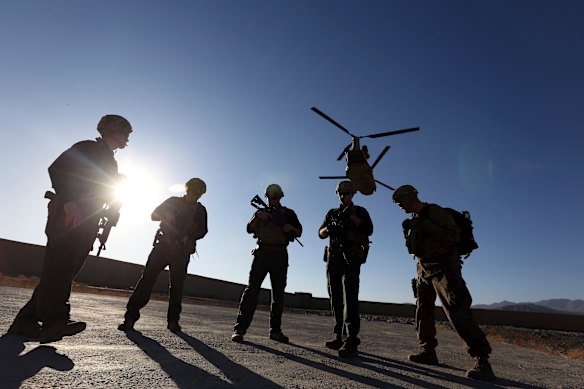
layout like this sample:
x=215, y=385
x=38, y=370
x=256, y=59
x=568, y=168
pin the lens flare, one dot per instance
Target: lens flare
x=140, y=193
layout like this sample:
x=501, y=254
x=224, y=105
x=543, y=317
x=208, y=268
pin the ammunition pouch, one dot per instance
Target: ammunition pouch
x=359, y=249
x=361, y=252
x=334, y=250
x=174, y=241
x=272, y=235
x=357, y=253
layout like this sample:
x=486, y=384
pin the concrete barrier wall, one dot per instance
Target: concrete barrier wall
x=18, y=258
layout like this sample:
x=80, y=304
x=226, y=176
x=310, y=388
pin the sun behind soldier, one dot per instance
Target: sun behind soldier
x=274, y=229
x=431, y=235
x=183, y=221
x=84, y=178
x=348, y=227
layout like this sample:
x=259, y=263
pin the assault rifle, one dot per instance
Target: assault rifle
x=260, y=204
x=109, y=218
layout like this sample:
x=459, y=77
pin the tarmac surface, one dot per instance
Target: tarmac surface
x=203, y=355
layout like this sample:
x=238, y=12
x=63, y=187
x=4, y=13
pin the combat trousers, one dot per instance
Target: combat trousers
x=456, y=300
x=343, y=288
x=65, y=253
x=163, y=254
x=272, y=260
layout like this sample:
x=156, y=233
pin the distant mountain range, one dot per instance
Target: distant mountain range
x=572, y=307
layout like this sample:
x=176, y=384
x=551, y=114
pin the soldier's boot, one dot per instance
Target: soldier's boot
x=130, y=319
x=349, y=348
x=426, y=357
x=127, y=325
x=173, y=326
x=237, y=336
x=56, y=331
x=278, y=336
x=335, y=344
x=482, y=370
x=27, y=329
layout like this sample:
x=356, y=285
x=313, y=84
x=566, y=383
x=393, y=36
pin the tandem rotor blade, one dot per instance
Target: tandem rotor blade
x=324, y=115
x=387, y=186
x=391, y=133
x=380, y=156
x=332, y=177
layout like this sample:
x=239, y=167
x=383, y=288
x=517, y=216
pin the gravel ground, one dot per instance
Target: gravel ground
x=562, y=343
x=202, y=355
x=566, y=344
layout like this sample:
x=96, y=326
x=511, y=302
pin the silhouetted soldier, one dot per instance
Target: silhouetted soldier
x=183, y=221
x=274, y=228
x=348, y=227
x=84, y=178
x=431, y=235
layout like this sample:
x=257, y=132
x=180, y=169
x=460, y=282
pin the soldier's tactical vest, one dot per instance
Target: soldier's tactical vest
x=270, y=232
x=185, y=223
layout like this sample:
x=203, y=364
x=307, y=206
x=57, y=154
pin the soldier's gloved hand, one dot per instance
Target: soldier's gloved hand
x=334, y=230
x=354, y=218
x=407, y=226
x=263, y=215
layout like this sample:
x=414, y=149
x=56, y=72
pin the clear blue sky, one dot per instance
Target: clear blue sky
x=222, y=90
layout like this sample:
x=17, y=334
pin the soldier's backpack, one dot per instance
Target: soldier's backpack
x=467, y=242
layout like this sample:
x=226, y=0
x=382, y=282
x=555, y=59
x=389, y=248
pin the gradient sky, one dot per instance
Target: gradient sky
x=222, y=90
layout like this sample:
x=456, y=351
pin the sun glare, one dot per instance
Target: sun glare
x=140, y=193
x=177, y=188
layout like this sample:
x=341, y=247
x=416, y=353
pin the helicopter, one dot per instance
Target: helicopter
x=358, y=169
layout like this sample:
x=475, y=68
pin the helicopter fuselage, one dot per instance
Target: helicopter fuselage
x=359, y=172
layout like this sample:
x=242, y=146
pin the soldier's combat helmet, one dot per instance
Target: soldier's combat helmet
x=196, y=185
x=404, y=192
x=346, y=186
x=113, y=123
x=274, y=191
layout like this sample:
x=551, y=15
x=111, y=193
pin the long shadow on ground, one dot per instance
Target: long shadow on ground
x=388, y=363
x=239, y=375
x=328, y=369
x=186, y=375
x=16, y=368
